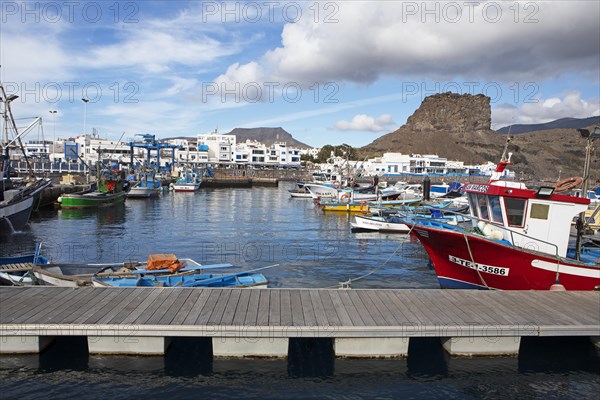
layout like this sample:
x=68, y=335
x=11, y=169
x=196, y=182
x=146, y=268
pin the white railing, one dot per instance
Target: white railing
x=49, y=167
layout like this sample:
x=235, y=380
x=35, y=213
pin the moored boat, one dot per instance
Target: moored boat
x=148, y=186
x=108, y=191
x=364, y=206
x=17, y=204
x=164, y=270
x=16, y=201
x=518, y=239
x=238, y=280
x=188, y=182
x=390, y=223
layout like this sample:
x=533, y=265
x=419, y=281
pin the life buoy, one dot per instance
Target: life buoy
x=567, y=184
x=336, y=184
x=364, y=207
x=345, y=198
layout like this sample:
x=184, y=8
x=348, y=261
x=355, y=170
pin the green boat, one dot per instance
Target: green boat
x=107, y=192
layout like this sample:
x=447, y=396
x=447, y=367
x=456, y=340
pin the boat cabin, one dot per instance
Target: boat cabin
x=533, y=219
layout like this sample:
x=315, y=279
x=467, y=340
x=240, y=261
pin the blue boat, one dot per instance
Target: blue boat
x=147, y=186
x=145, y=278
x=34, y=269
x=7, y=274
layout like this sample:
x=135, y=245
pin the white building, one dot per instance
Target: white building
x=250, y=152
x=189, y=152
x=280, y=154
x=38, y=148
x=255, y=153
x=427, y=164
x=389, y=163
x=91, y=149
x=220, y=148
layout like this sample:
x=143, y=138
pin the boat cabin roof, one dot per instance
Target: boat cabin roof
x=519, y=190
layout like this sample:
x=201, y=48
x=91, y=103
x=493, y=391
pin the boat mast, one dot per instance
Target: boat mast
x=8, y=117
x=589, y=148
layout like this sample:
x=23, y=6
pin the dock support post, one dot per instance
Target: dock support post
x=375, y=347
x=596, y=341
x=132, y=345
x=482, y=346
x=24, y=344
x=229, y=346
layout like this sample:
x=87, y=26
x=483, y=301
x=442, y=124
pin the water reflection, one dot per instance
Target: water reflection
x=249, y=228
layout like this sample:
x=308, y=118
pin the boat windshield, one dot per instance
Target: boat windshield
x=482, y=207
x=496, y=209
x=515, y=211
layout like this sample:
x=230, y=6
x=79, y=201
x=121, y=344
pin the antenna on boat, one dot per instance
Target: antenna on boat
x=504, y=161
x=504, y=158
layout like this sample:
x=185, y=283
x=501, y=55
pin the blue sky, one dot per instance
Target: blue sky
x=329, y=72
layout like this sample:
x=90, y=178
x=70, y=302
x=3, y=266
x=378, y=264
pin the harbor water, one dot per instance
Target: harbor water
x=302, y=247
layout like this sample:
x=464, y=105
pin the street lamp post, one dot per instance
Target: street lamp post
x=53, y=113
x=85, y=101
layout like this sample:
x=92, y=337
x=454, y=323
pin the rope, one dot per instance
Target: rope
x=347, y=284
x=473, y=261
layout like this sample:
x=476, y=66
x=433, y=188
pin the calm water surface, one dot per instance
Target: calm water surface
x=260, y=227
x=249, y=228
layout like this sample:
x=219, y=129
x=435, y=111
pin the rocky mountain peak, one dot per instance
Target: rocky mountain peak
x=452, y=112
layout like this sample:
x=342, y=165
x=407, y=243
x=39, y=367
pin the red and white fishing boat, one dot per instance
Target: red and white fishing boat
x=519, y=239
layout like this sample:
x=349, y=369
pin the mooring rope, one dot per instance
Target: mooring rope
x=346, y=284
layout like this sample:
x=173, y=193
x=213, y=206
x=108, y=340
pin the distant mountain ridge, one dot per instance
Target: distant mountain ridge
x=267, y=136
x=563, y=123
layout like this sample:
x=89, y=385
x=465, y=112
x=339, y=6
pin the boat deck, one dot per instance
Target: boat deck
x=251, y=322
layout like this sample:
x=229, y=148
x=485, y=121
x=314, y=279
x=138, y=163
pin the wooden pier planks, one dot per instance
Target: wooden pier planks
x=356, y=312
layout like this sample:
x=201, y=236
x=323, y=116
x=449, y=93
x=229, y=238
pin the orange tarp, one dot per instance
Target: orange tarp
x=164, y=261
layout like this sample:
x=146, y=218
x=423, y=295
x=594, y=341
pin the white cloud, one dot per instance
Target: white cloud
x=363, y=122
x=487, y=40
x=155, y=51
x=180, y=85
x=545, y=110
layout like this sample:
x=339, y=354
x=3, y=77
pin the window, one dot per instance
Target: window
x=483, y=208
x=515, y=211
x=539, y=211
x=496, y=209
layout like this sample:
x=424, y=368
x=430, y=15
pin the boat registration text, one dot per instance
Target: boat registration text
x=479, y=267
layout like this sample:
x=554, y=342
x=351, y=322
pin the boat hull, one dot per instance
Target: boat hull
x=379, y=224
x=185, y=187
x=15, y=216
x=498, y=265
x=142, y=193
x=91, y=200
x=15, y=212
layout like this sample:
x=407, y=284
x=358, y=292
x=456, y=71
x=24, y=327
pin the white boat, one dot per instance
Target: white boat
x=319, y=191
x=302, y=193
x=188, y=182
x=147, y=186
x=390, y=223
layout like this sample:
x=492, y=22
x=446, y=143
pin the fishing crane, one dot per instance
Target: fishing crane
x=150, y=143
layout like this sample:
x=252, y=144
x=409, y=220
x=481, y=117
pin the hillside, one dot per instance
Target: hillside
x=458, y=127
x=267, y=136
x=563, y=123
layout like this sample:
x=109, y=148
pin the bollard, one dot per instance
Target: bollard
x=426, y=188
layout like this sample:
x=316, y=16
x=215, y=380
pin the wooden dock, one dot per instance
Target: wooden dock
x=260, y=322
